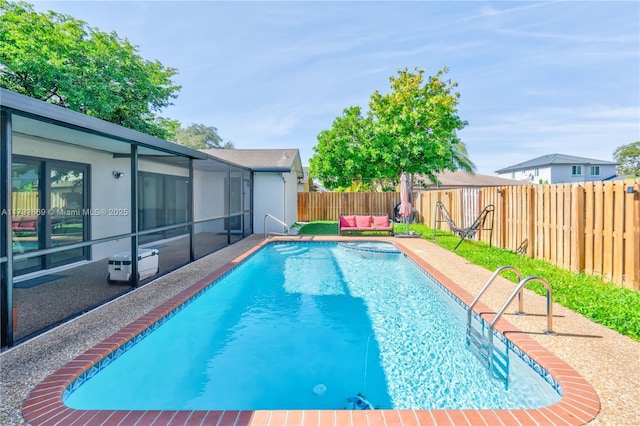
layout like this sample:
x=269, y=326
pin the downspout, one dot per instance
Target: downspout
x=284, y=199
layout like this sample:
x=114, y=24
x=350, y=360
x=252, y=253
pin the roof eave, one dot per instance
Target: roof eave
x=271, y=169
x=24, y=105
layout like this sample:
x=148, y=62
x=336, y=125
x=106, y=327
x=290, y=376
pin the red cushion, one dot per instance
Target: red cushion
x=347, y=221
x=381, y=221
x=26, y=222
x=363, y=221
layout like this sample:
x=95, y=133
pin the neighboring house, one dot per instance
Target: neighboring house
x=306, y=183
x=461, y=179
x=623, y=177
x=309, y=184
x=559, y=168
x=469, y=183
x=276, y=175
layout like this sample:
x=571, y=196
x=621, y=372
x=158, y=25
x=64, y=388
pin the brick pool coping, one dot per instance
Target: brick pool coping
x=578, y=405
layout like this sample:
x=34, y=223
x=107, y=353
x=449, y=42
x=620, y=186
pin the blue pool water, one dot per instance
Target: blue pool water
x=24, y=245
x=306, y=326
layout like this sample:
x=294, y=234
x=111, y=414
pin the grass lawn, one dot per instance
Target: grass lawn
x=605, y=303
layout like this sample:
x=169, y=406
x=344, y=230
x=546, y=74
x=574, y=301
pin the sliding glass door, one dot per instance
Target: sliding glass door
x=67, y=205
x=163, y=201
x=49, y=201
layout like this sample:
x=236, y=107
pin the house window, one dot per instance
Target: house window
x=576, y=170
x=537, y=172
x=594, y=171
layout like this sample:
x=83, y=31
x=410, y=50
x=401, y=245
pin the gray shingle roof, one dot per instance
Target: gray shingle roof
x=263, y=160
x=462, y=179
x=547, y=160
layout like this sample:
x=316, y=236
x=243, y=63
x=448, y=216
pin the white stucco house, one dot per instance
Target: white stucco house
x=276, y=174
x=560, y=168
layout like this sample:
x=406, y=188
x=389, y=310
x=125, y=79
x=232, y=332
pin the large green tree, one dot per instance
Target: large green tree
x=61, y=60
x=412, y=128
x=628, y=157
x=199, y=136
x=341, y=153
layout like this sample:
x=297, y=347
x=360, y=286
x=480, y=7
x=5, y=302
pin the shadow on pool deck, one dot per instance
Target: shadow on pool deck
x=606, y=359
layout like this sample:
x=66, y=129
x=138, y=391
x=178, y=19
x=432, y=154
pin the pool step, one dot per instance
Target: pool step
x=493, y=358
x=372, y=247
x=291, y=249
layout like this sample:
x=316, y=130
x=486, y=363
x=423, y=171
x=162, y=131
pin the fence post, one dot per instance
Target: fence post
x=631, y=277
x=503, y=194
x=531, y=220
x=577, y=229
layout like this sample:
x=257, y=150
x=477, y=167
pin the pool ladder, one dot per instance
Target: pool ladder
x=481, y=341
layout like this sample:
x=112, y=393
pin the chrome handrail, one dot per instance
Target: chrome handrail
x=521, y=284
x=486, y=286
x=266, y=216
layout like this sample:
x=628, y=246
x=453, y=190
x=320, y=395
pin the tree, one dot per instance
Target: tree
x=628, y=157
x=412, y=129
x=61, y=60
x=341, y=156
x=199, y=136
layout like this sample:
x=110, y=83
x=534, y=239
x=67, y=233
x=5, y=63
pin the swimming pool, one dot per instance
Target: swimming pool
x=307, y=326
x=376, y=348
x=20, y=246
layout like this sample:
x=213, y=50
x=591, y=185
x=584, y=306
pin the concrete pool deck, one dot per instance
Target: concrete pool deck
x=607, y=360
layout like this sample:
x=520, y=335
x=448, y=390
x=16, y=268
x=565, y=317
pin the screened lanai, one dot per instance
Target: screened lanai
x=82, y=197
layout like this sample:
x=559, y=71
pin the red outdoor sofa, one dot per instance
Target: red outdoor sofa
x=25, y=223
x=360, y=223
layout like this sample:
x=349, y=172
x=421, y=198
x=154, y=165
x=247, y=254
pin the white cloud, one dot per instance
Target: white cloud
x=534, y=77
x=590, y=131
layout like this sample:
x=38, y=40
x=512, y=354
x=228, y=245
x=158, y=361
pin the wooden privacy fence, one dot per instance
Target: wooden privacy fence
x=314, y=206
x=29, y=201
x=592, y=227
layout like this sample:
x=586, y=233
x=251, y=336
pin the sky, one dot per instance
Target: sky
x=534, y=78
